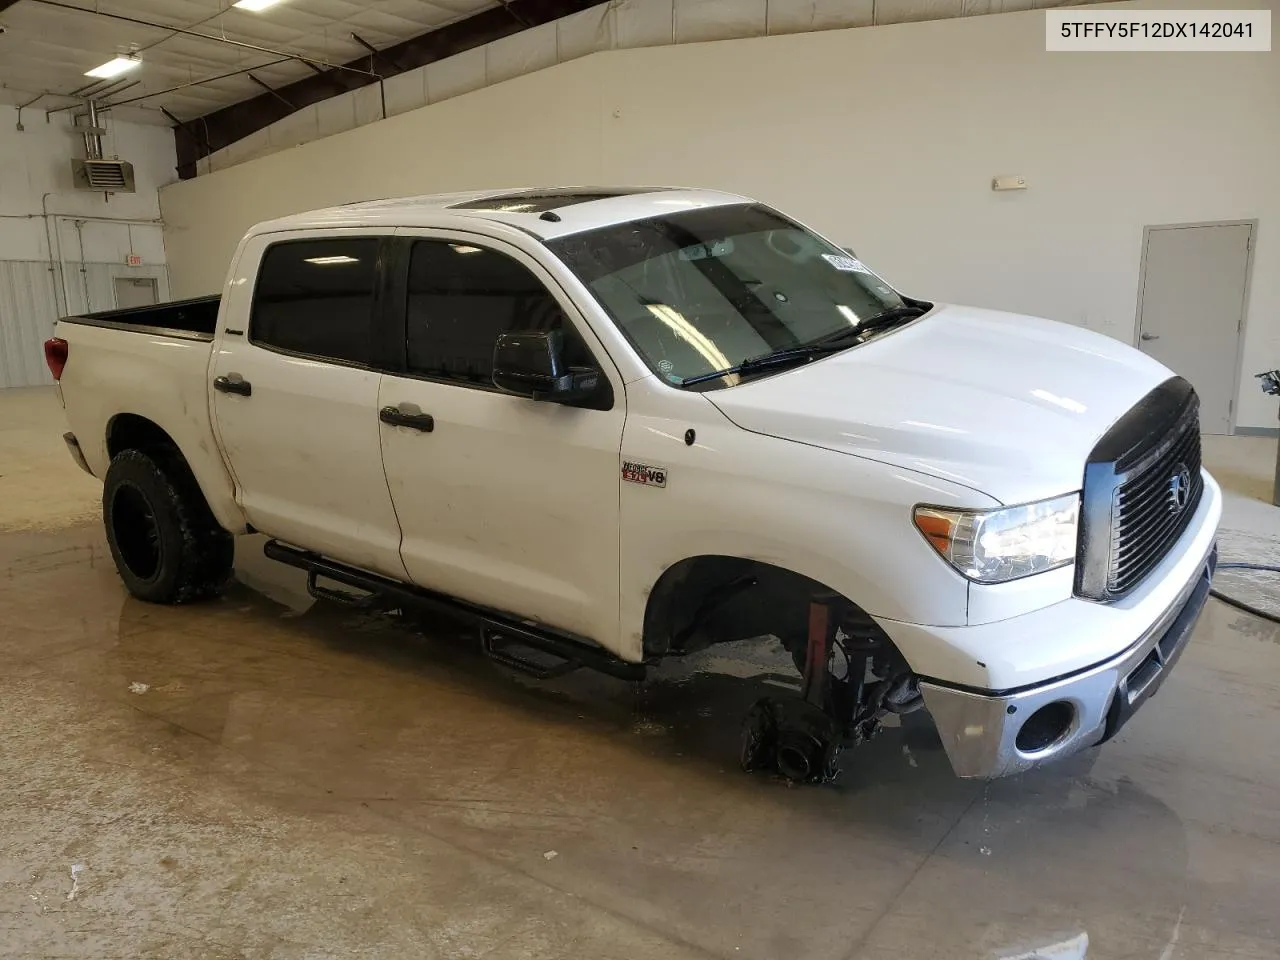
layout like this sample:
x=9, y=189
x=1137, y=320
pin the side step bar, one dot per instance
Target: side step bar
x=500, y=634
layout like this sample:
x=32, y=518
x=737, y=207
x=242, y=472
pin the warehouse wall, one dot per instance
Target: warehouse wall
x=45, y=224
x=885, y=138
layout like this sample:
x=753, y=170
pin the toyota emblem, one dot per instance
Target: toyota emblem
x=1179, y=489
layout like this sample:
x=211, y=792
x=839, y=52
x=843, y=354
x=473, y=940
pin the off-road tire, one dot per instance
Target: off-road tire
x=166, y=544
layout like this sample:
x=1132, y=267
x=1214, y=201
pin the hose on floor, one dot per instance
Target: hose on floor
x=1240, y=604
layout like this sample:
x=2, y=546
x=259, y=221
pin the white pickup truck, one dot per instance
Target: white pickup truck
x=617, y=425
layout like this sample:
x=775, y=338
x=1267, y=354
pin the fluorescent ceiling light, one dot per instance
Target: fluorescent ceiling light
x=464, y=248
x=329, y=261
x=113, y=68
x=255, y=5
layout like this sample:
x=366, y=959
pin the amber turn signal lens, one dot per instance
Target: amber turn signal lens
x=937, y=527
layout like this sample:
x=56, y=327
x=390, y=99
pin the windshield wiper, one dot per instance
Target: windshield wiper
x=840, y=340
x=891, y=317
x=777, y=358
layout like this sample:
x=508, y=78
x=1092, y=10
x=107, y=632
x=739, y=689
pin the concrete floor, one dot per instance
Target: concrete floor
x=266, y=778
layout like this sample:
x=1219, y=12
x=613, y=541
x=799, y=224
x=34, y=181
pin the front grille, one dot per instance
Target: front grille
x=1142, y=485
x=1150, y=509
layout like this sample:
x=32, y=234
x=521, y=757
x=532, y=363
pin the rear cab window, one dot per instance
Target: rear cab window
x=315, y=298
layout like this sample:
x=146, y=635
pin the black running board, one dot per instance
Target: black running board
x=500, y=633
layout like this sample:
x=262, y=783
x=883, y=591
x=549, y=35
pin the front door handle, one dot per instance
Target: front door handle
x=233, y=383
x=1151, y=336
x=415, y=421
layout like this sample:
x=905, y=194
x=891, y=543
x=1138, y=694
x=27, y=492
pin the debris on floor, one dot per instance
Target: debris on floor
x=76, y=870
x=136, y=687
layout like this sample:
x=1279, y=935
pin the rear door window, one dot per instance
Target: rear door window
x=316, y=298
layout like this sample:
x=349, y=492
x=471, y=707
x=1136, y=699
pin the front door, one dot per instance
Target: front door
x=1192, y=309
x=504, y=501
x=295, y=398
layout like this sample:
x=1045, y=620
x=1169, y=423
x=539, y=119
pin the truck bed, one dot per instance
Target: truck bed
x=194, y=319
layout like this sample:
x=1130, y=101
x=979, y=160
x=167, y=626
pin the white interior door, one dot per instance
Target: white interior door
x=1193, y=292
x=135, y=292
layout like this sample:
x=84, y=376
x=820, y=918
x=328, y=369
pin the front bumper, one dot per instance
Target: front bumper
x=991, y=735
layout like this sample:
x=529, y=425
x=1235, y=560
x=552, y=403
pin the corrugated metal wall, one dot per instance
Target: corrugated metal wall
x=29, y=308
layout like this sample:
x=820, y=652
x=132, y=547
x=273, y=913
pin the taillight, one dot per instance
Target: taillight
x=55, y=355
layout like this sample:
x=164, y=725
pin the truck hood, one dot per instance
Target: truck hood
x=1008, y=405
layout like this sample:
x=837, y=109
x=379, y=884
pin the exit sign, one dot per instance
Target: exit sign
x=133, y=260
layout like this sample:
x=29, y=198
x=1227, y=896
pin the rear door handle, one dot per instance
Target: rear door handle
x=1151, y=336
x=233, y=384
x=415, y=421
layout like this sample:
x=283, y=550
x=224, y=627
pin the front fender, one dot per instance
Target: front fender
x=841, y=520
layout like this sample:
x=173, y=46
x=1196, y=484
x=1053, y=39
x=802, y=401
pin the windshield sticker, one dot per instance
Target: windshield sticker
x=644, y=473
x=847, y=264
x=703, y=251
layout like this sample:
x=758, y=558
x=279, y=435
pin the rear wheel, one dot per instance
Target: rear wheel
x=166, y=544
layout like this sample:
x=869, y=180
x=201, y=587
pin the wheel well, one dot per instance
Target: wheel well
x=128, y=431
x=713, y=599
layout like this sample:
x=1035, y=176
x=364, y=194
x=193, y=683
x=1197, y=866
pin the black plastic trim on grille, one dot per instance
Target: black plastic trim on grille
x=1126, y=525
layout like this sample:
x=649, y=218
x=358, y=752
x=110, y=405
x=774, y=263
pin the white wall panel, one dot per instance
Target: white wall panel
x=698, y=20
x=907, y=11
x=300, y=127
x=456, y=75
x=405, y=91
x=798, y=16
x=27, y=315
x=336, y=114
x=257, y=144
x=521, y=53
x=587, y=31
x=368, y=104
x=644, y=23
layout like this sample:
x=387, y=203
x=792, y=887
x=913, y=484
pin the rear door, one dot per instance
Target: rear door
x=295, y=395
x=504, y=501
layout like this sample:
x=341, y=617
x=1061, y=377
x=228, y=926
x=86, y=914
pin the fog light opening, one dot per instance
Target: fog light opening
x=1046, y=727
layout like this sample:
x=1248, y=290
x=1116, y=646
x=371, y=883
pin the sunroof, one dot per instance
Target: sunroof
x=540, y=201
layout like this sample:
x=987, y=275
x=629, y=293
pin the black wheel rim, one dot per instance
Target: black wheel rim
x=136, y=532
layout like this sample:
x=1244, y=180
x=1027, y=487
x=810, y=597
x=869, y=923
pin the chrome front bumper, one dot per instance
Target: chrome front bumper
x=981, y=730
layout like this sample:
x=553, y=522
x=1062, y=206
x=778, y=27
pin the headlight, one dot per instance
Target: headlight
x=992, y=546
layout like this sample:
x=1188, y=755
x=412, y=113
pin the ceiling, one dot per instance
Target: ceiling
x=47, y=47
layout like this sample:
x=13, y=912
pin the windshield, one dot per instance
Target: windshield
x=700, y=291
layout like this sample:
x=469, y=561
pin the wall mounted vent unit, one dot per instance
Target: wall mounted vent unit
x=103, y=176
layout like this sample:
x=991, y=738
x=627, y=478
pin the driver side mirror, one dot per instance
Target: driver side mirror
x=532, y=365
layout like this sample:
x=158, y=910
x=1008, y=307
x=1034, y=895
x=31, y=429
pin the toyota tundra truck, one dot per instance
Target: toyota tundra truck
x=610, y=426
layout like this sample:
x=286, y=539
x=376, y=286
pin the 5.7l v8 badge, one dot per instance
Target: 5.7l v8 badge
x=644, y=473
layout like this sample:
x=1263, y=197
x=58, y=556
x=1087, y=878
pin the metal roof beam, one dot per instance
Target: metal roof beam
x=230, y=124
